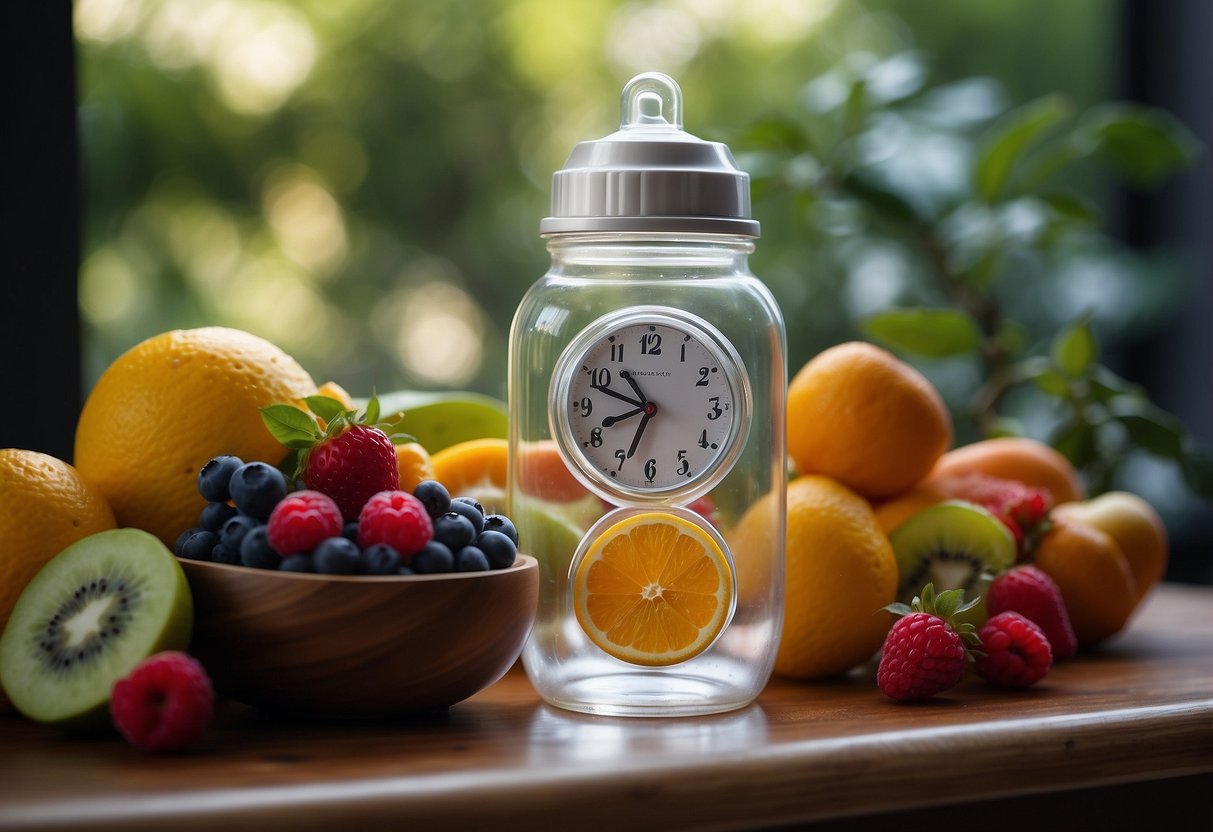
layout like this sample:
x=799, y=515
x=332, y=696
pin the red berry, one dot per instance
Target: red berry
x=1030, y=592
x=301, y=520
x=925, y=652
x=164, y=704
x=1015, y=652
x=398, y=519
x=352, y=466
x=922, y=656
x=1023, y=509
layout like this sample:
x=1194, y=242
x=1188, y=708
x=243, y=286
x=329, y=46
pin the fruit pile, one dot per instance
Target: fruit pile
x=250, y=519
x=880, y=510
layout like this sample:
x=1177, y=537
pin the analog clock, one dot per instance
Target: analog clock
x=650, y=405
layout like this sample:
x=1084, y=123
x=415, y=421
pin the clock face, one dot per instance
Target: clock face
x=650, y=405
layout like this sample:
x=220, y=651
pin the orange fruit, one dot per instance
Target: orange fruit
x=840, y=571
x=1134, y=525
x=892, y=513
x=1015, y=458
x=47, y=507
x=414, y=464
x=1093, y=575
x=335, y=391
x=654, y=589
x=169, y=404
x=475, y=468
x=543, y=474
x=859, y=415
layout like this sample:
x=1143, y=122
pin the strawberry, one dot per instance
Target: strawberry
x=347, y=455
x=1030, y=592
x=926, y=651
x=1023, y=509
x=1015, y=653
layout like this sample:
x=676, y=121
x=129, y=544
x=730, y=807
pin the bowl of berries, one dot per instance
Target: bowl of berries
x=391, y=604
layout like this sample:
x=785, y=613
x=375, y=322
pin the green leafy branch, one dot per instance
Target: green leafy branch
x=1012, y=198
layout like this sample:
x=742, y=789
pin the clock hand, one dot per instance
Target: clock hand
x=650, y=410
x=626, y=376
x=610, y=420
x=620, y=396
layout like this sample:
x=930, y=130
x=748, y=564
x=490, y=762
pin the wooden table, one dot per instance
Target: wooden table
x=1132, y=723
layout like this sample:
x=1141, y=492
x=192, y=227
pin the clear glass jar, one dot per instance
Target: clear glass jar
x=707, y=274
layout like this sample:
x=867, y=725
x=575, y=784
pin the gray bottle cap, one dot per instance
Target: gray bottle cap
x=650, y=176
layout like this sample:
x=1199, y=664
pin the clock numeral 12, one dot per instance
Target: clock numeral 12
x=650, y=344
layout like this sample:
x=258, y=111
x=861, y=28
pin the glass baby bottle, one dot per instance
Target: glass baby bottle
x=647, y=467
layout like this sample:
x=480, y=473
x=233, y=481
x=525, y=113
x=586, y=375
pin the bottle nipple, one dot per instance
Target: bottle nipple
x=651, y=101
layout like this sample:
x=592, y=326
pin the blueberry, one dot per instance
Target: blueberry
x=471, y=559
x=181, y=538
x=256, y=488
x=503, y=524
x=433, y=558
x=404, y=570
x=298, y=563
x=434, y=496
x=234, y=530
x=255, y=550
x=455, y=530
x=498, y=548
x=350, y=531
x=222, y=554
x=380, y=559
x=198, y=545
x=472, y=510
x=215, y=515
x=336, y=556
x=214, y=477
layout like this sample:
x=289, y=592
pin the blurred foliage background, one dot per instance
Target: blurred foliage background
x=361, y=183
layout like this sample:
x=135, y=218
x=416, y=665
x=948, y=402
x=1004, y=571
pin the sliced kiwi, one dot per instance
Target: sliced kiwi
x=95, y=611
x=953, y=545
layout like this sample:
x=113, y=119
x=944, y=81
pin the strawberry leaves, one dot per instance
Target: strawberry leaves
x=325, y=419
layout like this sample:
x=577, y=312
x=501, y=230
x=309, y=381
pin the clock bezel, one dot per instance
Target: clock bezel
x=560, y=417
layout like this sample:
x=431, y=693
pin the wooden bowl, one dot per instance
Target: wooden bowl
x=339, y=646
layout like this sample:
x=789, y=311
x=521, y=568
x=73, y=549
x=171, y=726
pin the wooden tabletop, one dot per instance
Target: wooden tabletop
x=1141, y=709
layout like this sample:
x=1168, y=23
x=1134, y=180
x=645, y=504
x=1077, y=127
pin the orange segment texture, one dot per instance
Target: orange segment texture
x=653, y=590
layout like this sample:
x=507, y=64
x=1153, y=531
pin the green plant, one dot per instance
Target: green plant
x=990, y=219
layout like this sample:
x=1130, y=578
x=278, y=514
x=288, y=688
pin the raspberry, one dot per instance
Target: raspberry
x=925, y=651
x=164, y=704
x=301, y=521
x=1015, y=652
x=1030, y=592
x=396, y=518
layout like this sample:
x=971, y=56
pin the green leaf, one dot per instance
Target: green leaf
x=934, y=333
x=371, y=414
x=325, y=407
x=1010, y=140
x=1197, y=466
x=1076, y=442
x=775, y=133
x=1075, y=349
x=1150, y=428
x=1052, y=382
x=1072, y=208
x=290, y=425
x=1106, y=386
x=1144, y=144
x=882, y=199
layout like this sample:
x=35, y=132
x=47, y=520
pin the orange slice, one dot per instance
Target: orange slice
x=654, y=589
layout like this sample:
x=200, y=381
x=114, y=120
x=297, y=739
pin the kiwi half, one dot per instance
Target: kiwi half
x=95, y=611
x=953, y=545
